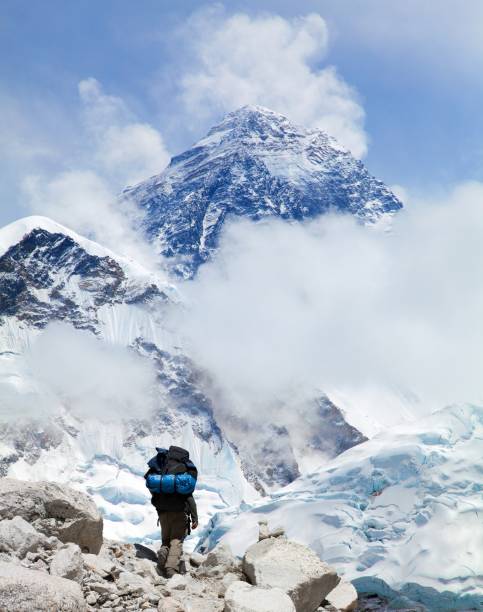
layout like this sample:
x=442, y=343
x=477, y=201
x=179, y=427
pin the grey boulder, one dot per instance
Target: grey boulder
x=17, y=537
x=67, y=563
x=243, y=597
x=292, y=567
x=24, y=590
x=54, y=510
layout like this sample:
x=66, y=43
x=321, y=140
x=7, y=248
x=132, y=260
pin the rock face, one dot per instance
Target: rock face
x=243, y=597
x=292, y=567
x=24, y=590
x=54, y=510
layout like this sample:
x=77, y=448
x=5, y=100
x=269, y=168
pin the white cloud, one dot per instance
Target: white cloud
x=127, y=150
x=90, y=378
x=274, y=62
x=118, y=150
x=332, y=304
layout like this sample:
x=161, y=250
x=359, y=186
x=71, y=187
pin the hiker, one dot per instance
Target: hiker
x=171, y=479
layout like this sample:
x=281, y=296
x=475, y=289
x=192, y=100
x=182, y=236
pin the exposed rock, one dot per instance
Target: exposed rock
x=168, y=604
x=67, y=563
x=226, y=581
x=219, y=561
x=54, y=510
x=243, y=597
x=296, y=569
x=101, y=565
x=18, y=538
x=132, y=583
x=24, y=590
x=196, y=559
x=343, y=597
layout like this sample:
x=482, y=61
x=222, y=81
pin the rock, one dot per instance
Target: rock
x=177, y=583
x=196, y=559
x=54, y=510
x=24, y=590
x=191, y=603
x=343, y=597
x=220, y=560
x=103, y=588
x=243, y=597
x=226, y=581
x=263, y=531
x=293, y=567
x=18, y=538
x=132, y=583
x=169, y=604
x=92, y=598
x=101, y=565
x=67, y=563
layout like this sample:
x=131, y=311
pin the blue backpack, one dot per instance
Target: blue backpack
x=171, y=472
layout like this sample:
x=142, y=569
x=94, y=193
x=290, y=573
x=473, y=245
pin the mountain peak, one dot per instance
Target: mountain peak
x=254, y=164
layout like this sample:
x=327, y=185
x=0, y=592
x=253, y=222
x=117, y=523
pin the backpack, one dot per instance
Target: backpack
x=172, y=472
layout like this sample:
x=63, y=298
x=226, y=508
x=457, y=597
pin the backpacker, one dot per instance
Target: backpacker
x=171, y=472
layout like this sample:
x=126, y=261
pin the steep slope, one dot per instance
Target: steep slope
x=254, y=164
x=403, y=509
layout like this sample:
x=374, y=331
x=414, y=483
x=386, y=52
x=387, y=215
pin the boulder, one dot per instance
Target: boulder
x=24, y=590
x=101, y=565
x=220, y=560
x=54, y=510
x=343, y=597
x=168, y=604
x=243, y=597
x=67, y=563
x=292, y=567
x=18, y=538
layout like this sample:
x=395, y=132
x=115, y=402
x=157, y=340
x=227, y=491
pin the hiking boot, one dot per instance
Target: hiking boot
x=170, y=572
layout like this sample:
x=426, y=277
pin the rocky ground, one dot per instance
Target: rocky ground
x=53, y=558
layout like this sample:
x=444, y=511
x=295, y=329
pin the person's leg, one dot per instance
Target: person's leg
x=165, y=538
x=178, y=530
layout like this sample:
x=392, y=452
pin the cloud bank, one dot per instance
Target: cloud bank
x=90, y=378
x=292, y=308
x=274, y=62
x=116, y=150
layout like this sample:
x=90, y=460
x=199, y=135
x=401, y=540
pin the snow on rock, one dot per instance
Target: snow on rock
x=403, y=509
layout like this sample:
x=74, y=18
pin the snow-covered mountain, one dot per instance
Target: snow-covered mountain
x=50, y=274
x=400, y=507
x=254, y=164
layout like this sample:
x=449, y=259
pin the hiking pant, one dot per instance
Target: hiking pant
x=174, y=526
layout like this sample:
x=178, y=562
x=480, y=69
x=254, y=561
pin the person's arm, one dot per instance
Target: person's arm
x=193, y=511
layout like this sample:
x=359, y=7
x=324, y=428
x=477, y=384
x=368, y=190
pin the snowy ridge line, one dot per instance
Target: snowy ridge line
x=13, y=233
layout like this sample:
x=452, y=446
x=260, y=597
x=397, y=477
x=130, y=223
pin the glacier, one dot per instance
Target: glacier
x=400, y=512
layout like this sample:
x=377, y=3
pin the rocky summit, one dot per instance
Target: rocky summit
x=255, y=164
x=46, y=566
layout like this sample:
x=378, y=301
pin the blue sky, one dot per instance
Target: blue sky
x=408, y=82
